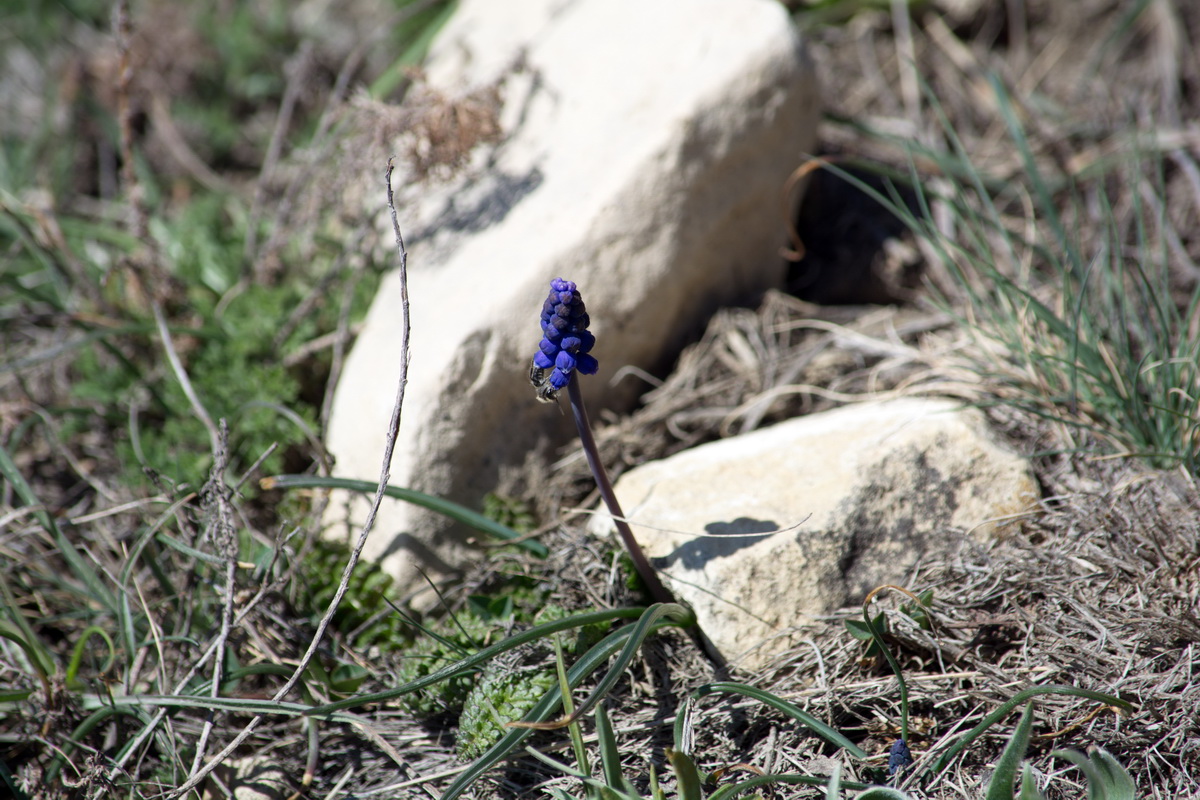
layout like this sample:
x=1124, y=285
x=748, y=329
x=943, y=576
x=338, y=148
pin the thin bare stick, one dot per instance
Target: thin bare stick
x=384, y=476
x=221, y=526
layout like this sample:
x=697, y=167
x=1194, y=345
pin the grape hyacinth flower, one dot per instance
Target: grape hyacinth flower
x=565, y=350
x=899, y=757
x=566, y=342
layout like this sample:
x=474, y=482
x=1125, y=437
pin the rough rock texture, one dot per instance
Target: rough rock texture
x=644, y=150
x=811, y=514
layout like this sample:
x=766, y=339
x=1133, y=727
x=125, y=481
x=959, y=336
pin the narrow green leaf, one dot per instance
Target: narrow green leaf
x=386, y=83
x=574, y=729
x=77, y=653
x=804, y=718
x=1117, y=781
x=834, y=790
x=1001, y=785
x=687, y=777
x=610, y=755
x=882, y=793
x=191, y=552
x=945, y=759
x=39, y=657
x=468, y=665
x=1029, y=790
x=877, y=635
x=1107, y=779
x=446, y=508
x=79, y=566
x=789, y=778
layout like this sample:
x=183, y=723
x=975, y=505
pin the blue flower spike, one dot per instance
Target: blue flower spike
x=899, y=757
x=566, y=348
x=566, y=343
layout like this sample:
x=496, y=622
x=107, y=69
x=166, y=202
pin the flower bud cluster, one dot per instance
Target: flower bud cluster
x=566, y=343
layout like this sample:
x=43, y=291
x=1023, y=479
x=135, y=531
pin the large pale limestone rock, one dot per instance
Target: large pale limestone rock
x=811, y=514
x=645, y=149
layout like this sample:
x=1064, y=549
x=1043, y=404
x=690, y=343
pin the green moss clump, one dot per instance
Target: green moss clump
x=501, y=695
x=451, y=640
x=509, y=511
x=512, y=685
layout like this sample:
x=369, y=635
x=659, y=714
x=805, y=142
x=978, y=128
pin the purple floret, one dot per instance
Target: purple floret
x=586, y=364
x=566, y=343
x=899, y=757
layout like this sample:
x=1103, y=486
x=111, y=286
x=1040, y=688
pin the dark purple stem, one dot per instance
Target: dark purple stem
x=657, y=590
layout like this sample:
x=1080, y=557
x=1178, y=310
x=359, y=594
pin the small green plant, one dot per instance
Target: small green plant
x=917, y=611
x=502, y=693
x=452, y=640
x=509, y=511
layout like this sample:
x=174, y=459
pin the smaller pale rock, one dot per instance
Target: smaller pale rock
x=809, y=515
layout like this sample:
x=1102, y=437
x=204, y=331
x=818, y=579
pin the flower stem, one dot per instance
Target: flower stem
x=657, y=590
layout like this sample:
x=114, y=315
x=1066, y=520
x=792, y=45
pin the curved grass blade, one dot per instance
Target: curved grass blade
x=944, y=760
x=804, y=718
x=610, y=754
x=581, y=755
x=630, y=638
x=834, y=790
x=39, y=658
x=412, y=56
x=683, y=617
x=77, y=653
x=190, y=552
x=1107, y=779
x=261, y=707
x=882, y=793
x=83, y=729
x=596, y=789
x=1029, y=790
x=444, y=507
x=877, y=635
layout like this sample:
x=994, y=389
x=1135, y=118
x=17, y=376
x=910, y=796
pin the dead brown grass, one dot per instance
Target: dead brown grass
x=1099, y=590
